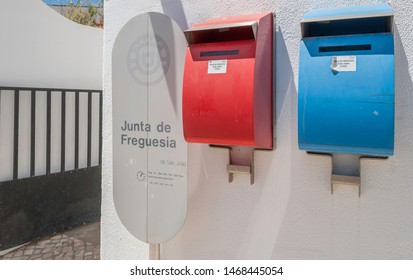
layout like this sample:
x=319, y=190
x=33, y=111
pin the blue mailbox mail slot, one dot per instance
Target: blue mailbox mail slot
x=346, y=81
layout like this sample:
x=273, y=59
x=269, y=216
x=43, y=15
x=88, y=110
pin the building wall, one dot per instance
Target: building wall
x=289, y=213
x=41, y=48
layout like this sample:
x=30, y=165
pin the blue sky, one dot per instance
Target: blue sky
x=62, y=2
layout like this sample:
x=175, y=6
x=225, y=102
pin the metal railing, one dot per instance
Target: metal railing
x=34, y=92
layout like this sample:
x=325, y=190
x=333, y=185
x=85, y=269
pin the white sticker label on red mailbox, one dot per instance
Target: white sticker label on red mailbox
x=344, y=63
x=217, y=66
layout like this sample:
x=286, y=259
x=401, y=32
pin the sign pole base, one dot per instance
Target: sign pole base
x=154, y=251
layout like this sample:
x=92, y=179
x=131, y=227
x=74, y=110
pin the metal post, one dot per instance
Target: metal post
x=154, y=251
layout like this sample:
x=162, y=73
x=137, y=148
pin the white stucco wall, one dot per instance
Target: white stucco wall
x=289, y=213
x=41, y=48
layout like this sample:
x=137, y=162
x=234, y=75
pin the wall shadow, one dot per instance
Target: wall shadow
x=175, y=10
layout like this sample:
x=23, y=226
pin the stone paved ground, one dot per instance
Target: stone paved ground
x=82, y=243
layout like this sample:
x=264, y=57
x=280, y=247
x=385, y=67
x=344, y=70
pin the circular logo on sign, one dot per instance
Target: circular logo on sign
x=140, y=176
x=148, y=60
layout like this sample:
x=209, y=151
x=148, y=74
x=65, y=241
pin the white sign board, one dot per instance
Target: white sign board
x=149, y=150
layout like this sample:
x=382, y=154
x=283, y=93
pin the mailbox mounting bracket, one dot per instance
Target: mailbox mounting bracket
x=234, y=168
x=352, y=178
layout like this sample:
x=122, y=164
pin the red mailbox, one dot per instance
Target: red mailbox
x=228, y=88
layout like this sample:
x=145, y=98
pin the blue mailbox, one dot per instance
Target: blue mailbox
x=346, y=81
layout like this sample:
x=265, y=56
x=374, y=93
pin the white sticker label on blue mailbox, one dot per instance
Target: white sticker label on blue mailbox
x=344, y=63
x=217, y=66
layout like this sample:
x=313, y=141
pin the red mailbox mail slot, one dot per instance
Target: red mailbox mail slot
x=227, y=88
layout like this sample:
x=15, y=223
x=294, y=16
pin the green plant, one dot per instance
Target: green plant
x=84, y=12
